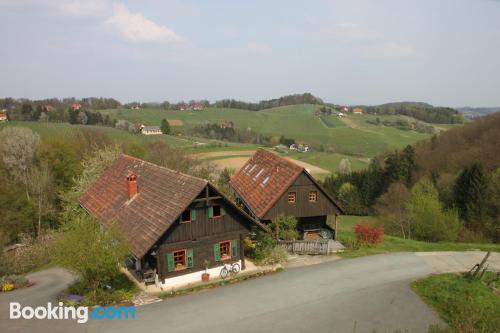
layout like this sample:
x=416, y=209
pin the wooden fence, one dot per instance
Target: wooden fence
x=320, y=246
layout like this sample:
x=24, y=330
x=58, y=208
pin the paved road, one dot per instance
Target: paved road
x=369, y=293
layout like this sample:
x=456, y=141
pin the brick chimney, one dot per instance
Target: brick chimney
x=131, y=184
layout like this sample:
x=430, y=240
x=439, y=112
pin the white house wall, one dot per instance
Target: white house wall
x=191, y=278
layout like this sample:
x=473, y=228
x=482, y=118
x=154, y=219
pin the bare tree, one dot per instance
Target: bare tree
x=391, y=206
x=18, y=147
x=42, y=190
x=344, y=166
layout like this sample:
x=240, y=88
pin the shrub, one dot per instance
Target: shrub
x=285, y=227
x=34, y=252
x=430, y=221
x=366, y=234
x=264, y=251
x=7, y=286
x=276, y=256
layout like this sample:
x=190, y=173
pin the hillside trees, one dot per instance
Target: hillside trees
x=367, y=185
x=420, y=111
x=305, y=98
x=429, y=220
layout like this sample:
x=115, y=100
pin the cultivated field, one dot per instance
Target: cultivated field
x=236, y=159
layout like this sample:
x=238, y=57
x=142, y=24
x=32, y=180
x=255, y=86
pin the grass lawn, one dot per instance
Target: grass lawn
x=467, y=305
x=329, y=161
x=347, y=237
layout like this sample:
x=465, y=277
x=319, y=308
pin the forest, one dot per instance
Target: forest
x=447, y=188
x=420, y=111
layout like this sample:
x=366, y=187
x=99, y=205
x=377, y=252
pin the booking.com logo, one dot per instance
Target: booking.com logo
x=82, y=314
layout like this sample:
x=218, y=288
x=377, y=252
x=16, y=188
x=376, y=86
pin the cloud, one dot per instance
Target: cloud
x=352, y=32
x=135, y=27
x=390, y=50
x=107, y=14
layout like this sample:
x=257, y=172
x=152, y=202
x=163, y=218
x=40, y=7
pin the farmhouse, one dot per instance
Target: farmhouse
x=76, y=106
x=150, y=130
x=226, y=124
x=268, y=186
x=357, y=111
x=176, y=224
x=3, y=115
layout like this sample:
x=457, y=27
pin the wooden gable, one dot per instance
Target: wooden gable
x=303, y=185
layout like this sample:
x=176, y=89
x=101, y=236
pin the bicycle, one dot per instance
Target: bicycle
x=229, y=268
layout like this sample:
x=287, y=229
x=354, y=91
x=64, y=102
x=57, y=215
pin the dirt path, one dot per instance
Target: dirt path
x=349, y=122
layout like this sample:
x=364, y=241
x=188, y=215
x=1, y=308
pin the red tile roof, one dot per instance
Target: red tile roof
x=263, y=179
x=163, y=194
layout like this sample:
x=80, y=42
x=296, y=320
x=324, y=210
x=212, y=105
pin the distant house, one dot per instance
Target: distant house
x=357, y=111
x=48, y=108
x=76, y=106
x=197, y=106
x=268, y=186
x=345, y=109
x=150, y=130
x=226, y=124
x=300, y=147
x=3, y=115
x=135, y=107
x=177, y=225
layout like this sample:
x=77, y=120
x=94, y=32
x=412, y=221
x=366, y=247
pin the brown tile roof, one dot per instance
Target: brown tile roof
x=263, y=179
x=163, y=194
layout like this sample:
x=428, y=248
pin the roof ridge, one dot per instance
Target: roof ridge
x=162, y=167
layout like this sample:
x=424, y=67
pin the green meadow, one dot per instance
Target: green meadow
x=350, y=136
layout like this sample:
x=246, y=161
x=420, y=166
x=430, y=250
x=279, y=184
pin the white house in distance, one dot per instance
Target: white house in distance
x=150, y=130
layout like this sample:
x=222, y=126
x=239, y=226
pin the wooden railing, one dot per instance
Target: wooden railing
x=319, y=246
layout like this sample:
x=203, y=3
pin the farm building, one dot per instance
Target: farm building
x=3, y=115
x=176, y=224
x=150, y=130
x=76, y=106
x=269, y=185
x=357, y=111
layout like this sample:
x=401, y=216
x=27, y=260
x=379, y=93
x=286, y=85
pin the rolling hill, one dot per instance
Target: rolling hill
x=351, y=136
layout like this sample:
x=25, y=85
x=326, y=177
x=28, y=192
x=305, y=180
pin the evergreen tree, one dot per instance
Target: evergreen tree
x=165, y=126
x=472, y=193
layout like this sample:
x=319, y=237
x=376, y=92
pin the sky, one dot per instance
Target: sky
x=444, y=52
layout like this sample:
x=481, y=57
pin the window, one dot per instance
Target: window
x=258, y=174
x=225, y=250
x=264, y=182
x=186, y=216
x=217, y=211
x=180, y=260
x=292, y=197
x=313, y=196
x=251, y=169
